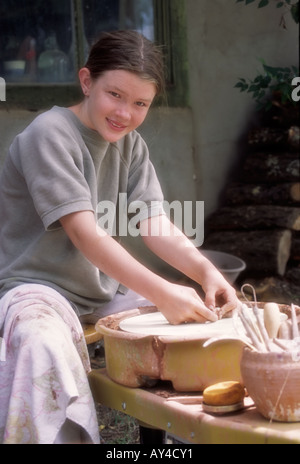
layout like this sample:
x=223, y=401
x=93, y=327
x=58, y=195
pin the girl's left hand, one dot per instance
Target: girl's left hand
x=219, y=294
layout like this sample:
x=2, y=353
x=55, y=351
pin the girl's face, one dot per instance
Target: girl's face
x=116, y=103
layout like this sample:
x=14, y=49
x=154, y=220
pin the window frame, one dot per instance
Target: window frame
x=170, y=30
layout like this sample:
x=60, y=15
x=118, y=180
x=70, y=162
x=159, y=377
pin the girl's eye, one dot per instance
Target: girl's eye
x=115, y=94
x=141, y=104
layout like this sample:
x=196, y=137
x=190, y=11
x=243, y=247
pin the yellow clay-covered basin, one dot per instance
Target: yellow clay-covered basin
x=136, y=360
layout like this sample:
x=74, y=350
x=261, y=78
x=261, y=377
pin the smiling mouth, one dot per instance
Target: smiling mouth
x=115, y=125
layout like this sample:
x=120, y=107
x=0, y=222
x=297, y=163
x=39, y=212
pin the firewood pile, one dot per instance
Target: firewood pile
x=259, y=220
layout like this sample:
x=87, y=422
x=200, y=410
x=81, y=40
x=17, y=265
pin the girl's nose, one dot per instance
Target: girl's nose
x=123, y=111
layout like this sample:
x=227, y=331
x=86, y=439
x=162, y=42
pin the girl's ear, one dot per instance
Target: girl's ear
x=85, y=80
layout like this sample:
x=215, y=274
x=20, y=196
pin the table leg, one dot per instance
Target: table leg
x=151, y=436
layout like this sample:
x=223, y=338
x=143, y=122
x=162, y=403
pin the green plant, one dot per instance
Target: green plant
x=272, y=81
x=273, y=84
x=292, y=6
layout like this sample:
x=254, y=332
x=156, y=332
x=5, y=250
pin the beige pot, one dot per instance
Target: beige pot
x=273, y=382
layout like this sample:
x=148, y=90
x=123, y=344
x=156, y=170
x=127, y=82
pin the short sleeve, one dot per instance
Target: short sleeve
x=49, y=158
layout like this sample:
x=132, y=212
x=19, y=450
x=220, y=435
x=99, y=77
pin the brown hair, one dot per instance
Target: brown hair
x=128, y=51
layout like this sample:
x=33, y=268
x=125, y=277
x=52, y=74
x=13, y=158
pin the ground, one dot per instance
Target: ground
x=114, y=426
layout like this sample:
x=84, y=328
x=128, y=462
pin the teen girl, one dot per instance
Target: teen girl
x=57, y=263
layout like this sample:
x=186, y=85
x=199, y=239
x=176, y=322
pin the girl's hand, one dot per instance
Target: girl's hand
x=172, y=246
x=183, y=304
x=219, y=293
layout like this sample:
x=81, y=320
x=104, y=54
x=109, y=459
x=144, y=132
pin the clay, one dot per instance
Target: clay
x=157, y=324
x=273, y=382
x=183, y=360
x=133, y=358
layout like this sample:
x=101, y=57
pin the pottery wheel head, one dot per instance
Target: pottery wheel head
x=157, y=324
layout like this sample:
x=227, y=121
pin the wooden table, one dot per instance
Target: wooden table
x=158, y=408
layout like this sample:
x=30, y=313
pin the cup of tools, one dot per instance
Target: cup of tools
x=272, y=380
x=271, y=369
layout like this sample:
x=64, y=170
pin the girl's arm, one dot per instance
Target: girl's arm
x=167, y=242
x=176, y=302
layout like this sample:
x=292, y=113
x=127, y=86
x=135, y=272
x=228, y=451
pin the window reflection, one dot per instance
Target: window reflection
x=37, y=37
x=35, y=40
x=107, y=15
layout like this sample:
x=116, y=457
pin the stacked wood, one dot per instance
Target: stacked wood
x=256, y=217
x=293, y=274
x=260, y=218
x=271, y=167
x=263, y=194
x=276, y=289
x=295, y=250
x=265, y=252
x=275, y=137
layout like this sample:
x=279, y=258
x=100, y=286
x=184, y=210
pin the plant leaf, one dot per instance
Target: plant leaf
x=263, y=3
x=295, y=12
x=268, y=106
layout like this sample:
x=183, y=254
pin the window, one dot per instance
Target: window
x=37, y=41
x=43, y=43
x=117, y=14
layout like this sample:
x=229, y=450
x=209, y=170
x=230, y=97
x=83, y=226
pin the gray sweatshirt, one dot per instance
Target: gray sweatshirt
x=55, y=167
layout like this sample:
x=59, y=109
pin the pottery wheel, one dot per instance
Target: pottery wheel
x=157, y=324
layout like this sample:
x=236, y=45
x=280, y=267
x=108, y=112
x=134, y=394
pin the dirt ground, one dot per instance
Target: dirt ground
x=114, y=426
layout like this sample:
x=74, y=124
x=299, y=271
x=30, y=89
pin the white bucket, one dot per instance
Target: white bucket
x=229, y=265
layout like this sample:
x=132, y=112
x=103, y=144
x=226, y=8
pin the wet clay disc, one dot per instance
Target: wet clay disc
x=156, y=324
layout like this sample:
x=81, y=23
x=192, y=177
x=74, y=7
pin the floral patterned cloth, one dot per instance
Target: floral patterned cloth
x=43, y=368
